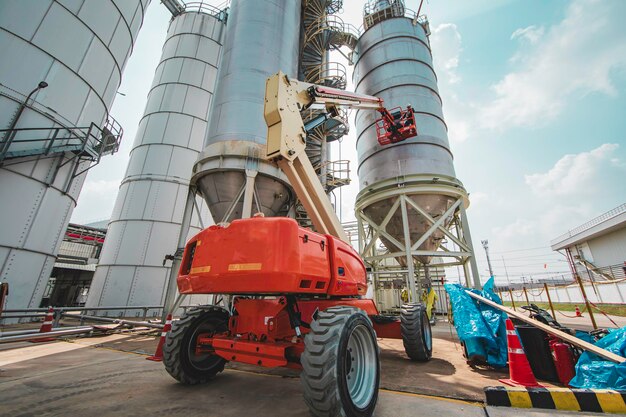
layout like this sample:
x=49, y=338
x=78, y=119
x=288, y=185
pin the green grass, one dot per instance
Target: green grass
x=614, y=309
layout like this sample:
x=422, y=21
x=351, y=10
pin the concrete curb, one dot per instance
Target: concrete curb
x=600, y=401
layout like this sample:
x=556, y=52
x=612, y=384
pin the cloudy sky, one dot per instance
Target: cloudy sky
x=534, y=97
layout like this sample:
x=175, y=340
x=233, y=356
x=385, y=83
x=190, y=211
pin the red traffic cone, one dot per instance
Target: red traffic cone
x=46, y=326
x=578, y=313
x=158, y=355
x=519, y=368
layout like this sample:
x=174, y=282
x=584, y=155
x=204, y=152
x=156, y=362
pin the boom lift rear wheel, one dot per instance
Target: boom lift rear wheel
x=416, y=333
x=340, y=366
x=179, y=352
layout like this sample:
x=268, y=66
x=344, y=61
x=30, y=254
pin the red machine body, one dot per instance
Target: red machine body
x=291, y=271
x=270, y=256
x=395, y=125
x=564, y=361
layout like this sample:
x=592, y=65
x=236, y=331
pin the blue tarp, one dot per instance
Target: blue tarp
x=593, y=371
x=480, y=327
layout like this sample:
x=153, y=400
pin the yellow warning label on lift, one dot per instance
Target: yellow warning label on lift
x=199, y=269
x=245, y=267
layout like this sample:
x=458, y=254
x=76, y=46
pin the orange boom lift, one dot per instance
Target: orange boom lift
x=295, y=295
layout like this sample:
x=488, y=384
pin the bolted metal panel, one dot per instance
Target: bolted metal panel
x=394, y=62
x=79, y=48
x=262, y=38
x=148, y=212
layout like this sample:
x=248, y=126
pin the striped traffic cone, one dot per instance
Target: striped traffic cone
x=519, y=368
x=46, y=326
x=158, y=355
x=578, y=313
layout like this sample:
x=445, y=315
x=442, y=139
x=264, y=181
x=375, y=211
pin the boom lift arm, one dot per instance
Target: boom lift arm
x=286, y=137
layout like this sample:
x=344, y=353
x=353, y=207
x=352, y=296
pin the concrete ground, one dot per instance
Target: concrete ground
x=86, y=377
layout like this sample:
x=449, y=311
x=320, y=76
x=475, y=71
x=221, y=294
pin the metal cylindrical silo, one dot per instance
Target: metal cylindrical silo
x=262, y=38
x=407, y=186
x=149, y=208
x=79, y=50
x=394, y=63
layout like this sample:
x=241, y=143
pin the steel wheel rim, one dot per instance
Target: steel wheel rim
x=361, y=370
x=428, y=338
x=205, y=361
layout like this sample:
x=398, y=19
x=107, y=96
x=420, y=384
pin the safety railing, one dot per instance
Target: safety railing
x=337, y=173
x=59, y=311
x=591, y=223
x=376, y=11
x=80, y=143
x=220, y=12
x=339, y=33
x=330, y=74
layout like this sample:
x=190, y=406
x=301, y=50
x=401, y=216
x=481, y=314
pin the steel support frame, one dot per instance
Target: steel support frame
x=456, y=231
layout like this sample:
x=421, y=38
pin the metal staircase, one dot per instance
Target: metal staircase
x=82, y=147
x=323, y=32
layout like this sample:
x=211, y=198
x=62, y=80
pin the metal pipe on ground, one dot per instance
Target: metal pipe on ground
x=22, y=316
x=47, y=335
x=83, y=317
x=36, y=331
x=69, y=308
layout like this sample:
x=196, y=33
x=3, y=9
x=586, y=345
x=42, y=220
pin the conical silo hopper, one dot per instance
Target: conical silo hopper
x=231, y=173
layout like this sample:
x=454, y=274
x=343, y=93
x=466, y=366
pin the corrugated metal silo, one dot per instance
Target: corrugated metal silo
x=262, y=38
x=148, y=212
x=409, y=186
x=52, y=134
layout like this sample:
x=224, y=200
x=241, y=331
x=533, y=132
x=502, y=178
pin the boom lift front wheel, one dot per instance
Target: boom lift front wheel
x=180, y=357
x=340, y=365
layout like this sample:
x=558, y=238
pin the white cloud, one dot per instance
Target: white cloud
x=575, y=174
x=446, y=46
x=520, y=228
x=575, y=57
x=531, y=34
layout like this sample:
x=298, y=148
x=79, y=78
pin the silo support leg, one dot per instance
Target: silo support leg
x=171, y=288
x=407, y=248
x=468, y=241
x=248, y=194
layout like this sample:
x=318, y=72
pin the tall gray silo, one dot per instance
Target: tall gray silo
x=52, y=134
x=231, y=173
x=410, y=198
x=148, y=212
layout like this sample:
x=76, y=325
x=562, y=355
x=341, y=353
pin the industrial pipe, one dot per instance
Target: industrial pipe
x=117, y=321
x=46, y=335
x=36, y=331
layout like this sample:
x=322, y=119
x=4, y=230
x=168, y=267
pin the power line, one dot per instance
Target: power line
x=521, y=250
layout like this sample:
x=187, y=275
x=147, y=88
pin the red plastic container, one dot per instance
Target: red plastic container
x=563, y=360
x=269, y=256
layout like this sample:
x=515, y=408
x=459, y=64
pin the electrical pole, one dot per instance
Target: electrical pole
x=486, y=246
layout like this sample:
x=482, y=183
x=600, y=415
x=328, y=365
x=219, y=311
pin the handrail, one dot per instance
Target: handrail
x=593, y=222
x=219, y=12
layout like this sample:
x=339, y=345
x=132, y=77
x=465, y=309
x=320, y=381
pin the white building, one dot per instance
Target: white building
x=598, y=246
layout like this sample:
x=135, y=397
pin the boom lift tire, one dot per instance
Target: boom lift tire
x=416, y=333
x=179, y=351
x=340, y=366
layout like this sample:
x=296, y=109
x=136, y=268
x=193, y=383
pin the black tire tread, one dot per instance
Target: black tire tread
x=411, y=318
x=174, y=345
x=319, y=361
